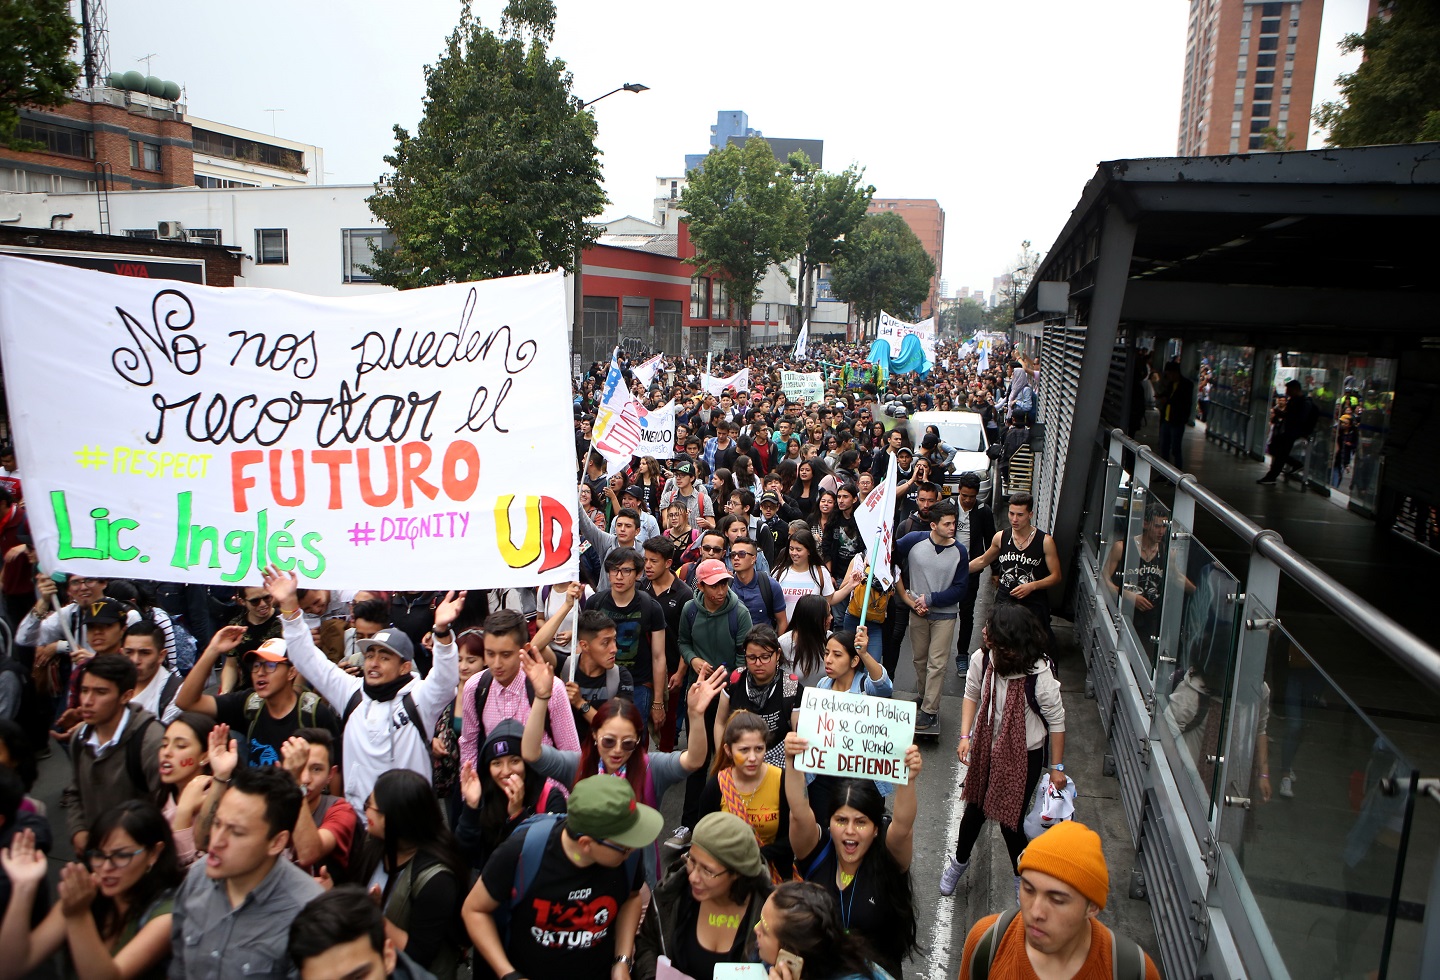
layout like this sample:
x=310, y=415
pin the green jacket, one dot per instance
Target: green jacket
x=709, y=635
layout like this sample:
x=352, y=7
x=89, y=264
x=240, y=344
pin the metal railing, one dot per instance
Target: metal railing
x=1273, y=816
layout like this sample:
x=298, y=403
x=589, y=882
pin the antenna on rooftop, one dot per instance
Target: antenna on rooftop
x=147, y=59
x=272, y=120
x=95, y=29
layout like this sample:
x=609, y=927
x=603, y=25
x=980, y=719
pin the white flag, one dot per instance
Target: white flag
x=876, y=517
x=984, y=364
x=618, y=429
x=657, y=432
x=712, y=385
x=801, y=340
x=645, y=373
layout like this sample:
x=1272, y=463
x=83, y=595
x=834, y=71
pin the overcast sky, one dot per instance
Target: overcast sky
x=998, y=110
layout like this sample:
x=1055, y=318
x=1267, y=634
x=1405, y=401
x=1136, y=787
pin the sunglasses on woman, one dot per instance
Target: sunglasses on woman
x=608, y=743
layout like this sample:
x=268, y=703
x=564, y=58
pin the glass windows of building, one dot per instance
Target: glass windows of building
x=250, y=151
x=204, y=236
x=219, y=183
x=144, y=156
x=63, y=141
x=699, y=297
x=601, y=327
x=357, y=251
x=1265, y=60
x=272, y=246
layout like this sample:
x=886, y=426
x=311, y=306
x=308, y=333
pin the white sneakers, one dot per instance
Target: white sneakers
x=950, y=877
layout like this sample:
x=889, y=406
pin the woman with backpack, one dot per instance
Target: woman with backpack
x=618, y=744
x=858, y=855
x=500, y=792
x=1012, y=708
x=413, y=868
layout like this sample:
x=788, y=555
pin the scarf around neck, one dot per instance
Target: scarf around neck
x=388, y=690
x=998, y=760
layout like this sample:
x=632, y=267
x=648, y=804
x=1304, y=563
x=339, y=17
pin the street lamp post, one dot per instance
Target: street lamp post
x=627, y=87
x=578, y=327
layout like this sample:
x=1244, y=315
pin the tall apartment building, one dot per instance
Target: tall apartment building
x=927, y=220
x=1249, y=76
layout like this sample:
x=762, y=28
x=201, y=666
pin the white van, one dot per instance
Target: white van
x=965, y=433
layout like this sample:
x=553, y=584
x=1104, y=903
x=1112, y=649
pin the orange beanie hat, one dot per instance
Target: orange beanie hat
x=1071, y=852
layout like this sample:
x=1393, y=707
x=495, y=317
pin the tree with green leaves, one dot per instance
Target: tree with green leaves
x=883, y=267
x=744, y=217
x=502, y=173
x=35, y=64
x=1394, y=96
x=962, y=318
x=832, y=207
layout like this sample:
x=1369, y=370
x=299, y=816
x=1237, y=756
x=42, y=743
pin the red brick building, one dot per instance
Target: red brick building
x=137, y=143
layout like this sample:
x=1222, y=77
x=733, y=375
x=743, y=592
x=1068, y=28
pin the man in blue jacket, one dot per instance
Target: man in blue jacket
x=934, y=576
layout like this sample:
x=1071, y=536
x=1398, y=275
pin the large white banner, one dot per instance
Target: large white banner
x=806, y=388
x=195, y=434
x=712, y=385
x=895, y=331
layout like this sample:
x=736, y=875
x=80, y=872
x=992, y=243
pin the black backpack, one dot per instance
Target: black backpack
x=31, y=715
x=1030, y=697
x=134, y=755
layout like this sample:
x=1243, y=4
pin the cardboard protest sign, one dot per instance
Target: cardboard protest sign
x=855, y=735
x=800, y=387
x=187, y=433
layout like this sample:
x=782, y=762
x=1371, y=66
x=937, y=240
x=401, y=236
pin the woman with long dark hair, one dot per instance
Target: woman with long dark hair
x=128, y=885
x=824, y=513
x=413, y=866
x=805, y=493
x=502, y=794
x=708, y=903
x=618, y=743
x=802, y=918
x=859, y=858
x=804, y=643
x=1002, y=738
x=722, y=484
x=787, y=470
x=185, y=778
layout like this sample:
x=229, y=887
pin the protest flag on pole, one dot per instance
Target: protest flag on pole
x=875, y=516
x=800, y=341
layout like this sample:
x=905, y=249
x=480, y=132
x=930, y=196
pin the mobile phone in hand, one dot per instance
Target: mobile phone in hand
x=795, y=963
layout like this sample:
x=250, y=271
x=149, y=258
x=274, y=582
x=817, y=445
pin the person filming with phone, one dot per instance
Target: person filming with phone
x=802, y=936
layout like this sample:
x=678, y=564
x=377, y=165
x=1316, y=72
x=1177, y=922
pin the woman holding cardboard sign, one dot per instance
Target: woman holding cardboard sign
x=857, y=857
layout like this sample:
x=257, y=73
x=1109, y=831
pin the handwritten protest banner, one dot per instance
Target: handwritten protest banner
x=855, y=735
x=188, y=433
x=805, y=388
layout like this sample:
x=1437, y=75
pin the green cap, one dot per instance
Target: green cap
x=604, y=807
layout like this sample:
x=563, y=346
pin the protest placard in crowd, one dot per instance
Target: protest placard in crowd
x=855, y=735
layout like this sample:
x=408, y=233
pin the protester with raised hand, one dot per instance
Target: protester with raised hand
x=857, y=857
x=618, y=743
x=387, y=714
x=114, y=912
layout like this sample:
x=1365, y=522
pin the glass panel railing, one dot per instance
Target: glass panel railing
x=1190, y=692
x=1139, y=575
x=1325, y=801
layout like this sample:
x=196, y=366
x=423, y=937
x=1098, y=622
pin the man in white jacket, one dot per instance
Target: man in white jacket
x=388, y=713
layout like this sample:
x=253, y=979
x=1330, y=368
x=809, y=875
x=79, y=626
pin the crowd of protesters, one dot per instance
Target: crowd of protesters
x=276, y=780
